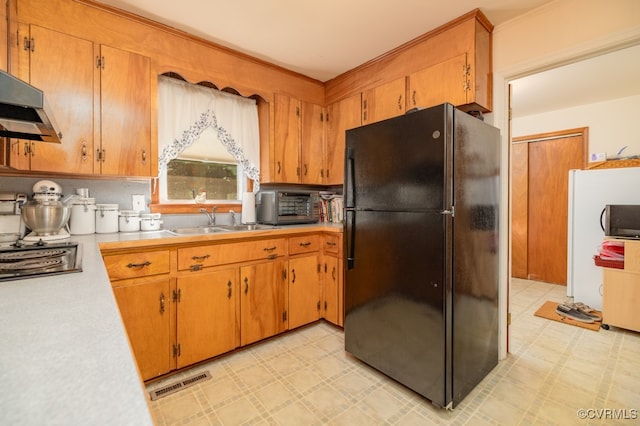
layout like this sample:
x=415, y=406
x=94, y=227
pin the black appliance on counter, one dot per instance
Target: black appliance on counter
x=621, y=220
x=421, y=282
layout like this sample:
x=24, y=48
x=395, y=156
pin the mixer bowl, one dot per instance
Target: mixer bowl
x=45, y=218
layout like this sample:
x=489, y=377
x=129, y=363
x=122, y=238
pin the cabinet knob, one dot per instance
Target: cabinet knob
x=229, y=285
x=246, y=285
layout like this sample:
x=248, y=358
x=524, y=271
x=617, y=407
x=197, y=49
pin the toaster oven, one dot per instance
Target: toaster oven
x=281, y=207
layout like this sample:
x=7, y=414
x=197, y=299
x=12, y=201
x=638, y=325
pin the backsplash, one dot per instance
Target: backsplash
x=104, y=191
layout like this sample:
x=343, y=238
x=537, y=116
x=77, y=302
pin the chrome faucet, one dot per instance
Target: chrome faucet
x=233, y=217
x=211, y=216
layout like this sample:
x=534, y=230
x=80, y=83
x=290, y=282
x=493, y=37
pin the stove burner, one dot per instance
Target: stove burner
x=23, y=261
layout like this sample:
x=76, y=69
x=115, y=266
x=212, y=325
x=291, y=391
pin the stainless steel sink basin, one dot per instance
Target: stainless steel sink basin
x=197, y=230
x=200, y=230
x=247, y=227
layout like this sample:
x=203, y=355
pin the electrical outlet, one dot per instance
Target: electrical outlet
x=137, y=203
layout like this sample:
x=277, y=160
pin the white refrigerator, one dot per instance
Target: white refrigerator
x=589, y=192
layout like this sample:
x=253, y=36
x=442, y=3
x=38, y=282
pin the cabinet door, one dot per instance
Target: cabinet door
x=447, y=81
x=341, y=116
x=207, y=324
x=287, y=139
x=304, y=290
x=312, y=144
x=385, y=101
x=125, y=117
x=146, y=312
x=263, y=301
x=63, y=67
x=331, y=281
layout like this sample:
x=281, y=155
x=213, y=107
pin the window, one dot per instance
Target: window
x=208, y=143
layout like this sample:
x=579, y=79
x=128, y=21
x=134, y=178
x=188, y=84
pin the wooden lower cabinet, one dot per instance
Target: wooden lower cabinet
x=207, y=315
x=263, y=300
x=146, y=310
x=304, y=290
x=620, y=298
x=186, y=304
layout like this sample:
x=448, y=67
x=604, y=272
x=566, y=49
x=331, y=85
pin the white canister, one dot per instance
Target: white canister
x=150, y=221
x=106, y=218
x=129, y=221
x=83, y=216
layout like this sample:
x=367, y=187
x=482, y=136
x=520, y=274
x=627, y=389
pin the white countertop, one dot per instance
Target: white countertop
x=64, y=355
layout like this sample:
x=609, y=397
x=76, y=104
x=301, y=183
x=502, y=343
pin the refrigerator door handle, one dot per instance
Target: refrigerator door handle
x=350, y=216
x=350, y=180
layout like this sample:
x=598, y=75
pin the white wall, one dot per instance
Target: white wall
x=612, y=124
x=557, y=33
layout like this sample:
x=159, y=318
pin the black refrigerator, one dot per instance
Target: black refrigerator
x=421, y=208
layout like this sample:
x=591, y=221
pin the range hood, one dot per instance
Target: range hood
x=24, y=112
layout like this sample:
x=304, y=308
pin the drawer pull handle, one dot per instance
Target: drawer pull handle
x=270, y=248
x=305, y=244
x=206, y=256
x=333, y=273
x=229, y=285
x=293, y=275
x=246, y=285
x=331, y=243
x=138, y=265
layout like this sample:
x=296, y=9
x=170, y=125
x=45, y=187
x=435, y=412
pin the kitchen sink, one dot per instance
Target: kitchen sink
x=247, y=227
x=200, y=230
x=197, y=230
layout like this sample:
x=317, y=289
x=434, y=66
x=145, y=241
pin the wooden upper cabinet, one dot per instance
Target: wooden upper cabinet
x=385, y=101
x=299, y=141
x=125, y=113
x=312, y=162
x=62, y=66
x=287, y=139
x=448, y=81
x=341, y=116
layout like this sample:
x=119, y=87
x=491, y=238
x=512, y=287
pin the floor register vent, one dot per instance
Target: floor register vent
x=178, y=386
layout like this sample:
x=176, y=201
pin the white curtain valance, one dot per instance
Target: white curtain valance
x=186, y=110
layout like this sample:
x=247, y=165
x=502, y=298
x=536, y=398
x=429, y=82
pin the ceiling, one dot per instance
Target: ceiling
x=318, y=39
x=324, y=39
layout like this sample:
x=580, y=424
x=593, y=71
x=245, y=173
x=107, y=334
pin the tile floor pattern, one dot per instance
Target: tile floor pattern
x=305, y=378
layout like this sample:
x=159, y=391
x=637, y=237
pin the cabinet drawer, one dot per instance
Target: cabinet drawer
x=221, y=254
x=304, y=244
x=332, y=244
x=133, y=265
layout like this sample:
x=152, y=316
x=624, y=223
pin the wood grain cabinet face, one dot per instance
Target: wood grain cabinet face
x=207, y=315
x=299, y=141
x=385, y=101
x=101, y=99
x=146, y=310
x=135, y=265
x=341, y=116
x=448, y=81
x=263, y=300
x=62, y=66
x=304, y=290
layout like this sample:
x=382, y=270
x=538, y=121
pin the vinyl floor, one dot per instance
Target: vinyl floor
x=554, y=374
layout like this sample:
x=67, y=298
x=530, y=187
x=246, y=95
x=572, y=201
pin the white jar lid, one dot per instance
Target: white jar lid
x=107, y=206
x=84, y=201
x=149, y=216
x=129, y=213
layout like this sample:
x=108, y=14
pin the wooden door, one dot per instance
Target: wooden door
x=287, y=139
x=304, y=291
x=448, y=81
x=312, y=144
x=330, y=281
x=125, y=113
x=146, y=311
x=206, y=323
x=540, y=176
x=263, y=301
x=341, y=116
x=384, y=101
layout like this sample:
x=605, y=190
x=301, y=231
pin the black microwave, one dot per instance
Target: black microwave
x=622, y=220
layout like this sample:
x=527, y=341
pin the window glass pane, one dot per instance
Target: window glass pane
x=188, y=178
